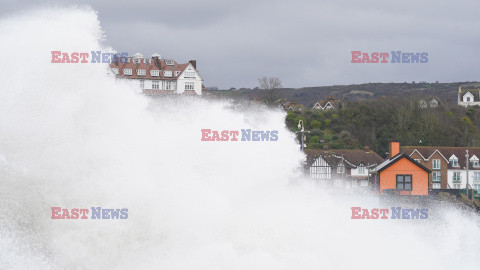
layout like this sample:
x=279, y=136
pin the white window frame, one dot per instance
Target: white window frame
x=341, y=168
x=436, y=176
x=167, y=73
x=177, y=72
x=436, y=165
x=361, y=169
x=190, y=74
x=142, y=84
x=454, y=162
x=168, y=85
x=189, y=86
x=127, y=71
x=169, y=62
x=456, y=177
x=115, y=70
x=155, y=73
x=436, y=185
x=156, y=84
x=476, y=176
x=141, y=72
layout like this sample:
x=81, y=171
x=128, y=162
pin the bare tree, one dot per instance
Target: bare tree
x=270, y=87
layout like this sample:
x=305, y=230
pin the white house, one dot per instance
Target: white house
x=156, y=75
x=469, y=95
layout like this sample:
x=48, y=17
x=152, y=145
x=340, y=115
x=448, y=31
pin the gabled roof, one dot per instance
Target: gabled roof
x=389, y=162
x=350, y=158
x=446, y=152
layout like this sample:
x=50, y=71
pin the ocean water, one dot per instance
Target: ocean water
x=74, y=137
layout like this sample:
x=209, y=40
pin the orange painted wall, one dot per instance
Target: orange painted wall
x=388, y=177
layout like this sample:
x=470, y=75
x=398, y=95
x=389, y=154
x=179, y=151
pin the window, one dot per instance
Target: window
x=456, y=177
x=433, y=103
x=146, y=61
x=436, y=177
x=341, y=168
x=177, y=72
x=136, y=61
x=476, y=187
x=169, y=62
x=468, y=99
x=475, y=163
x=364, y=183
x=404, y=182
x=417, y=160
x=189, y=86
x=155, y=73
x=361, y=169
x=436, y=164
x=155, y=85
x=141, y=72
x=456, y=186
x=476, y=176
x=168, y=85
x=189, y=74
x=127, y=71
x=115, y=70
x=142, y=84
x=436, y=186
x=167, y=73
x=454, y=162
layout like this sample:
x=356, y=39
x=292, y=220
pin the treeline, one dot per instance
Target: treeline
x=376, y=122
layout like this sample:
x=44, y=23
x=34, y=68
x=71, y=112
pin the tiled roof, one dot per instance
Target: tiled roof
x=447, y=152
x=155, y=64
x=353, y=158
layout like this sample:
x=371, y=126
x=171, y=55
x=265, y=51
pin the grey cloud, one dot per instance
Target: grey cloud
x=304, y=42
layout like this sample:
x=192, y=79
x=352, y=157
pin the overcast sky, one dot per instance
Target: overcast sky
x=303, y=42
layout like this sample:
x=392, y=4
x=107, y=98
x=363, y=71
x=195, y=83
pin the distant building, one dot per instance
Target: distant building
x=469, y=95
x=328, y=104
x=156, y=75
x=293, y=106
x=341, y=168
x=431, y=102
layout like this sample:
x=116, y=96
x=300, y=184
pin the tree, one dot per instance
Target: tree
x=270, y=87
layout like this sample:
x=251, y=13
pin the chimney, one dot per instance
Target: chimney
x=367, y=149
x=194, y=63
x=393, y=149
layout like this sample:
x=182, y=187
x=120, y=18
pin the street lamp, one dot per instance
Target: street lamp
x=302, y=131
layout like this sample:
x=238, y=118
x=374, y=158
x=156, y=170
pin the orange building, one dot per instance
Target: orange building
x=400, y=174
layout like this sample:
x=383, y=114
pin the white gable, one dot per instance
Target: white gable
x=474, y=157
x=453, y=157
x=468, y=97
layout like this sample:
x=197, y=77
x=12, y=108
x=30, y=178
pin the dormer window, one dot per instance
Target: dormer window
x=141, y=72
x=136, y=61
x=155, y=73
x=341, y=168
x=115, y=70
x=454, y=162
x=475, y=163
x=167, y=73
x=127, y=71
x=146, y=61
x=177, y=72
x=361, y=169
x=468, y=99
x=169, y=62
